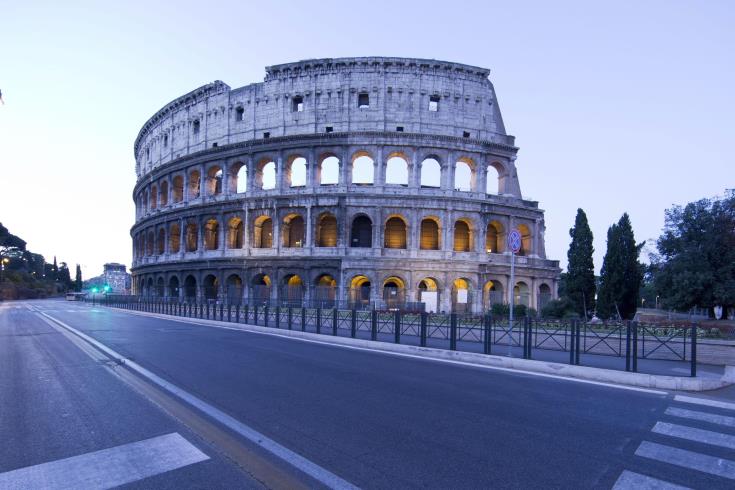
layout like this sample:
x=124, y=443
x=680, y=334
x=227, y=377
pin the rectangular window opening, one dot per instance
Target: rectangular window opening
x=434, y=103
x=363, y=100
x=195, y=126
x=214, y=145
x=466, y=134
x=297, y=104
x=329, y=129
x=239, y=113
x=165, y=140
x=399, y=129
x=266, y=134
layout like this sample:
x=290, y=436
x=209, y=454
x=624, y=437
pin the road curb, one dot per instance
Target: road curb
x=640, y=380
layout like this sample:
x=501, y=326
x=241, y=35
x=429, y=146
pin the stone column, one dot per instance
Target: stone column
x=202, y=182
x=182, y=237
x=481, y=179
x=280, y=184
x=379, y=169
x=448, y=173
x=276, y=230
x=414, y=175
x=246, y=233
x=225, y=178
x=308, y=227
x=311, y=166
x=200, y=236
x=221, y=233
x=346, y=170
x=251, y=174
x=535, y=241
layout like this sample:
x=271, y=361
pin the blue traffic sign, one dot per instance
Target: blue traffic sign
x=514, y=241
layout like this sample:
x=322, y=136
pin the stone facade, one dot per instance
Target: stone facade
x=369, y=181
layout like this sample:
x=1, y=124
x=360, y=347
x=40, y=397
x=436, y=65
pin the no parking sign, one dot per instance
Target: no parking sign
x=514, y=241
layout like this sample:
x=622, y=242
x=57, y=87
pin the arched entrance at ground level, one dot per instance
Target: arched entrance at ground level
x=149, y=287
x=292, y=292
x=173, y=287
x=394, y=292
x=260, y=288
x=461, y=296
x=211, y=287
x=160, y=288
x=190, y=288
x=544, y=296
x=360, y=291
x=234, y=289
x=325, y=290
x=521, y=294
x=492, y=294
x=362, y=232
x=429, y=295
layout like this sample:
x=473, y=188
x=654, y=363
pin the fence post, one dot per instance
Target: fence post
x=634, y=325
x=572, y=326
x=303, y=318
x=255, y=314
x=353, y=324
x=278, y=317
x=424, y=318
x=529, y=321
x=237, y=314
x=290, y=318
x=319, y=320
x=374, y=324
x=266, y=309
x=694, y=350
x=453, y=331
x=577, y=344
x=397, y=327
x=627, y=345
x=334, y=321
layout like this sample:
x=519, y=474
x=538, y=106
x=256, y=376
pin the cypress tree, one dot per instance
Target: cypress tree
x=621, y=274
x=580, y=281
x=78, y=280
x=55, y=270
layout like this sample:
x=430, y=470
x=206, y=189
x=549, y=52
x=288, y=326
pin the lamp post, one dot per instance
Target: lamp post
x=3, y=263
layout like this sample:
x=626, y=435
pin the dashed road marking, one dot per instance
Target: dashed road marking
x=687, y=459
x=630, y=480
x=694, y=434
x=711, y=418
x=704, y=401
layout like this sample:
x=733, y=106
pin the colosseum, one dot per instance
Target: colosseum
x=366, y=182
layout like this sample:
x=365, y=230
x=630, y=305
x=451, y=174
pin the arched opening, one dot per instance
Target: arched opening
x=395, y=233
x=326, y=231
x=363, y=169
x=149, y=289
x=359, y=291
x=234, y=233
x=429, y=294
x=526, y=242
x=173, y=287
x=429, y=234
x=160, y=288
x=463, y=175
x=266, y=174
x=521, y=294
x=234, y=289
x=431, y=173
x=462, y=236
x=174, y=238
x=544, y=296
x=361, y=234
x=161, y=241
x=394, y=292
x=297, y=172
x=293, y=290
x=211, y=287
x=164, y=193
x=144, y=198
x=195, y=179
x=396, y=170
x=211, y=235
x=190, y=287
x=214, y=181
x=154, y=197
x=325, y=290
x=329, y=170
x=178, y=188
x=492, y=294
x=492, y=180
x=263, y=232
x=150, y=238
x=293, y=231
x=260, y=288
x=192, y=237
x=461, y=295
x=237, y=178
x=494, y=238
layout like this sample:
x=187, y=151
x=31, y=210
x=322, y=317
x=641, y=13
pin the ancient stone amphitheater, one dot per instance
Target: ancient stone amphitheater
x=369, y=182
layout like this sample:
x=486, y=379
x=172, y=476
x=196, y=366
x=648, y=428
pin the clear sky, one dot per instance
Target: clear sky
x=624, y=106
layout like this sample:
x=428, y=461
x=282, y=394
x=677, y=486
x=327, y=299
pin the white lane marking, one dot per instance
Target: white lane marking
x=712, y=418
x=629, y=480
x=687, y=459
x=411, y=356
x=320, y=474
x=704, y=401
x=109, y=467
x=694, y=434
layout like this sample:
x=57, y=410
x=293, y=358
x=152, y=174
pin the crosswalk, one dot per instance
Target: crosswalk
x=717, y=439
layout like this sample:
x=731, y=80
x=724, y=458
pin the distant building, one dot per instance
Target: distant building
x=115, y=276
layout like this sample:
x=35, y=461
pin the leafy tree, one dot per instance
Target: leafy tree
x=621, y=274
x=78, y=280
x=580, y=280
x=65, y=277
x=696, y=261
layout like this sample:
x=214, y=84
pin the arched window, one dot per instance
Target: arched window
x=325, y=290
x=395, y=233
x=544, y=295
x=429, y=234
x=234, y=233
x=195, y=179
x=263, y=232
x=173, y=287
x=154, y=197
x=192, y=237
x=293, y=290
x=526, y=241
x=293, y=231
x=363, y=168
x=431, y=173
x=160, y=287
x=396, y=171
x=190, y=287
x=238, y=178
x=359, y=291
x=150, y=238
x=174, y=238
x=463, y=177
x=164, y=193
x=462, y=237
x=522, y=294
x=178, y=189
x=492, y=185
x=211, y=235
x=211, y=287
x=461, y=295
x=266, y=175
x=297, y=172
x=394, y=292
x=429, y=294
x=161, y=241
x=261, y=287
x=494, y=238
x=493, y=292
x=326, y=231
x=329, y=170
x=362, y=232
x=234, y=289
x=214, y=181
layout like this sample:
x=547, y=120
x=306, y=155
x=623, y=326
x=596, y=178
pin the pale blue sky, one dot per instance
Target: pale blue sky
x=627, y=106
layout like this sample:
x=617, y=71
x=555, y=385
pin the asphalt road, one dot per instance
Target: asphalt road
x=374, y=420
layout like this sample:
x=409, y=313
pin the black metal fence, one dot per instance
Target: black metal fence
x=571, y=339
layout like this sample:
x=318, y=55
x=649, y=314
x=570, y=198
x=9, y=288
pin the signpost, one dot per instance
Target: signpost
x=514, y=245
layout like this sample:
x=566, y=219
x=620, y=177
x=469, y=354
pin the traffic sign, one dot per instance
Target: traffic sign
x=514, y=241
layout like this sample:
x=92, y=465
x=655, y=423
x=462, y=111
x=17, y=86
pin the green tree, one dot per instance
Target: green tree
x=696, y=261
x=65, y=277
x=580, y=280
x=621, y=274
x=78, y=280
x=54, y=271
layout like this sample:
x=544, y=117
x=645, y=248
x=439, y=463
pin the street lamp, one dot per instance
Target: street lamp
x=3, y=263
